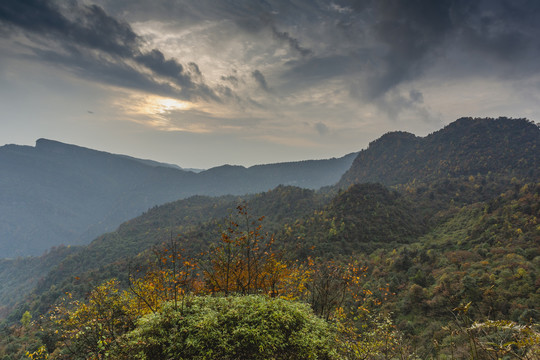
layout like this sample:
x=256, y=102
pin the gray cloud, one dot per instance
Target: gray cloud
x=416, y=96
x=385, y=43
x=409, y=32
x=87, y=26
x=321, y=128
x=233, y=80
x=317, y=69
x=417, y=33
x=155, y=60
x=79, y=30
x=292, y=42
x=393, y=104
x=504, y=30
x=260, y=80
x=194, y=70
x=114, y=72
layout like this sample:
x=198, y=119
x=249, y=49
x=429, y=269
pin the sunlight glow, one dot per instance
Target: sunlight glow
x=160, y=113
x=158, y=105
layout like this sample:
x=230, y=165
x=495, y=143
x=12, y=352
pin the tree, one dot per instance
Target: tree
x=25, y=319
x=243, y=260
x=170, y=278
x=90, y=329
x=492, y=339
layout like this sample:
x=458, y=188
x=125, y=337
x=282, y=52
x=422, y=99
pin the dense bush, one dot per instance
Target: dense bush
x=234, y=327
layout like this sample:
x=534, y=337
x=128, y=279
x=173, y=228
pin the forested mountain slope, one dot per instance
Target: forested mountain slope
x=467, y=146
x=362, y=218
x=196, y=220
x=18, y=277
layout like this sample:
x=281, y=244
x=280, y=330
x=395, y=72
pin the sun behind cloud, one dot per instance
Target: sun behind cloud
x=157, y=112
x=160, y=105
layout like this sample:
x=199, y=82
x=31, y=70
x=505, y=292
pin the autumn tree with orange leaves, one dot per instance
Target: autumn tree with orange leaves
x=243, y=261
x=171, y=277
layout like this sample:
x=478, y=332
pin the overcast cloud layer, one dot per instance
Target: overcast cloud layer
x=207, y=82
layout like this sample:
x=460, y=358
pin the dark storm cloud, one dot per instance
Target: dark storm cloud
x=170, y=68
x=371, y=46
x=117, y=73
x=409, y=31
x=88, y=26
x=417, y=33
x=156, y=61
x=260, y=80
x=82, y=30
x=504, y=30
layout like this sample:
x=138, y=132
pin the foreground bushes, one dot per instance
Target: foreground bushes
x=234, y=327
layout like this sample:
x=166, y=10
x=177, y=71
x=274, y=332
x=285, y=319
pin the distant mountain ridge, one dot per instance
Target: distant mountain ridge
x=56, y=193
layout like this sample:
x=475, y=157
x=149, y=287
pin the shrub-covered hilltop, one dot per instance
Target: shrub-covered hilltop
x=427, y=248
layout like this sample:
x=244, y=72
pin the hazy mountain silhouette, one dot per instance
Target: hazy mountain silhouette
x=55, y=193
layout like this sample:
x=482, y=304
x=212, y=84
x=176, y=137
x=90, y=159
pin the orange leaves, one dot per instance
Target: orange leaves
x=169, y=279
x=329, y=286
x=243, y=261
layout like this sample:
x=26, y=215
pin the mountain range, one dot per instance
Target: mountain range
x=55, y=193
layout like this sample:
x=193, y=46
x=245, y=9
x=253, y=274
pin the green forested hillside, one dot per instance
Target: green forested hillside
x=465, y=147
x=20, y=276
x=485, y=253
x=360, y=219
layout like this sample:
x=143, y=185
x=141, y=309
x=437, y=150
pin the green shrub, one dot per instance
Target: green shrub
x=234, y=327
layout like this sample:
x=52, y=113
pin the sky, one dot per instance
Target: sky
x=202, y=83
